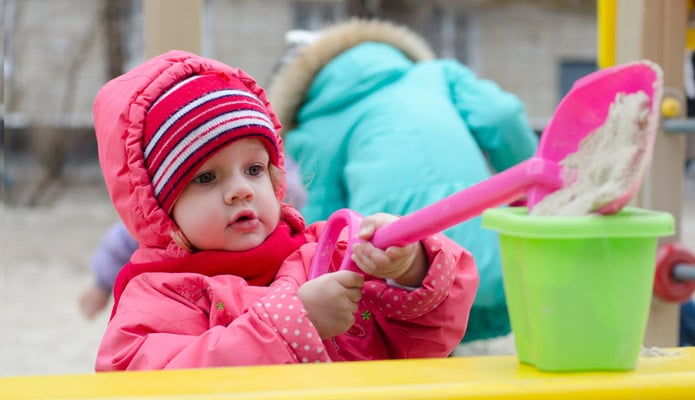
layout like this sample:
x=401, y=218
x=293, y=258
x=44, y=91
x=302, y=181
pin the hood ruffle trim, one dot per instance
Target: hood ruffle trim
x=290, y=85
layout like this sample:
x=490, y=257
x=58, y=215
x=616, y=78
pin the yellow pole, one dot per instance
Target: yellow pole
x=690, y=32
x=606, y=12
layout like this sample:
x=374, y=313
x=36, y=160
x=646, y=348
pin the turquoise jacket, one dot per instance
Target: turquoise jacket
x=380, y=132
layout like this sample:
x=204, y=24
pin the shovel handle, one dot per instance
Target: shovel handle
x=512, y=184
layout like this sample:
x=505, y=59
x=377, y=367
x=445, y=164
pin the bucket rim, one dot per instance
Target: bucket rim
x=629, y=222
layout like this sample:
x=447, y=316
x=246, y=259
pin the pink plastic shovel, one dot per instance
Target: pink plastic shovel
x=580, y=112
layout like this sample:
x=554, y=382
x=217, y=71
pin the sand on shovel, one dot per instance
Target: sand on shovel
x=607, y=162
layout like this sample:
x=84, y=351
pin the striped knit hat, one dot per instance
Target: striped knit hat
x=193, y=120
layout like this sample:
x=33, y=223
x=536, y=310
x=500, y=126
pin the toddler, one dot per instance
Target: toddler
x=191, y=156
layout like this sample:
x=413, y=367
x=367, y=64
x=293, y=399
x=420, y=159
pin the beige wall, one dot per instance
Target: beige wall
x=248, y=34
x=58, y=46
x=520, y=47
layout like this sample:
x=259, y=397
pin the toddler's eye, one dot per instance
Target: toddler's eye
x=255, y=170
x=205, y=177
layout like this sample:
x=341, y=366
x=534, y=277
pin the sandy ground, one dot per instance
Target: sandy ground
x=44, y=256
x=44, y=268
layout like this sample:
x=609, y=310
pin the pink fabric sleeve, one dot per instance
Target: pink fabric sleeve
x=295, y=330
x=431, y=320
x=220, y=321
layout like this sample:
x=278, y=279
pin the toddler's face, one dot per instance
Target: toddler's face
x=230, y=203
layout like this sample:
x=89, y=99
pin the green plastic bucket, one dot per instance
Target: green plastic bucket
x=578, y=288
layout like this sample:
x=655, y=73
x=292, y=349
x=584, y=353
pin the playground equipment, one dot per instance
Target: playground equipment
x=659, y=31
x=660, y=374
x=674, y=280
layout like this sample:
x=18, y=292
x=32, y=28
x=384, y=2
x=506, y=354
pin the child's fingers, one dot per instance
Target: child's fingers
x=372, y=222
x=352, y=282
x=349, y=279
x=395, y=252
x=367, y=256
x=354, y=295
x=366, y=230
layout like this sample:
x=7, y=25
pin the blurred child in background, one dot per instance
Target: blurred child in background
x=378, y=124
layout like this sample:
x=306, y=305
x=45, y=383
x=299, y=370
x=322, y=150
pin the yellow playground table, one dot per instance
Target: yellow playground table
x=663, y=374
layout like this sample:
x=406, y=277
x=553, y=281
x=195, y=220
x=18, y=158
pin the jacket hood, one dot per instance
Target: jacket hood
x=119, y=114
x=290, y=87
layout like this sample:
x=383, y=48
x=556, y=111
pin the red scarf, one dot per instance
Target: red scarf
x=258, y=265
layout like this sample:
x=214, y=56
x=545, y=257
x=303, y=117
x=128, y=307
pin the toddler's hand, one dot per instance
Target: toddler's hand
x=406, y=265
x=331, y=301
x=93, y=300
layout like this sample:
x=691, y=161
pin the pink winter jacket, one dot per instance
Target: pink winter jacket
x=190, y=320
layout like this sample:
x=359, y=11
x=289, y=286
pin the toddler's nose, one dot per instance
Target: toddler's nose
x=237, y=189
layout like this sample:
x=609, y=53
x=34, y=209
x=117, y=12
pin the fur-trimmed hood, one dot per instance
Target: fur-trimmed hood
x=288, y=89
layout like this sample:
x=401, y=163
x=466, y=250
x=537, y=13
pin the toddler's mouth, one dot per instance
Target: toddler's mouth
x=243, y=217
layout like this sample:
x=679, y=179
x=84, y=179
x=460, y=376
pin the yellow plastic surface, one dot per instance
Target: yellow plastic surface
x=670, y=374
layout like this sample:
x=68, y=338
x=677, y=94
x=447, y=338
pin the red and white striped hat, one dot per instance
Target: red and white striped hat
x=193, y=120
